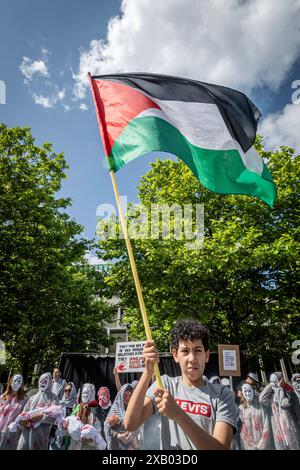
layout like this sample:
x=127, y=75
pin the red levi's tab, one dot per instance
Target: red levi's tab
x=202, y=409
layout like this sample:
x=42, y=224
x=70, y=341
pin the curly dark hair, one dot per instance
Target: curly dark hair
x=189, y=330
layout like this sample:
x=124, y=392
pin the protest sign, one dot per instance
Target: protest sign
x=129, y=357
x=229, y=360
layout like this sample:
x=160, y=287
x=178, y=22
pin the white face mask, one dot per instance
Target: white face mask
x=274, y=381
x=44, y=383
x=247, y=391
x=87, y=393
x=296, y=385
x=16, y=382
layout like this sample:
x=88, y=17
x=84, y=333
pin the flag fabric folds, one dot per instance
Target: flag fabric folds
x=210, y=127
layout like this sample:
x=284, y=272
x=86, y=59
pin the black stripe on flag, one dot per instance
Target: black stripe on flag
x=240, y=114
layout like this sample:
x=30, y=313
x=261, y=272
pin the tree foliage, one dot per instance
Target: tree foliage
x=48, y=293
x=242, y=283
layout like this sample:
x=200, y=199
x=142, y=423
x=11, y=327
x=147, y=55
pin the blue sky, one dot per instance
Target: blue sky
x=46, y=48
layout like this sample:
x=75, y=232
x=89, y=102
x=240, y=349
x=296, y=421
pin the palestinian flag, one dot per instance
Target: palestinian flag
x=211, y=128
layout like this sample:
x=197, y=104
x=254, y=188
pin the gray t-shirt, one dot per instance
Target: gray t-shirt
x=206, y=405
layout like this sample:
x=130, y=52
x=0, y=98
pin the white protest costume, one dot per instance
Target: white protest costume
x=285, y=413
x=88, y=393
x=37, y=438
x=52, y=411
x=87, y=396
x=10, y=408
x=84, y=436
x=74, y=428
x=16, y=383
x=90, y=434
x=255, y=432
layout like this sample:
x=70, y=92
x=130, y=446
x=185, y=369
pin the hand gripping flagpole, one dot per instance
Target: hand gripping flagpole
x=130, y=252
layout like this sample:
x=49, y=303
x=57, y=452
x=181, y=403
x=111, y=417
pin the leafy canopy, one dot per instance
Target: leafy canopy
x=47, y=290
x=242, y=283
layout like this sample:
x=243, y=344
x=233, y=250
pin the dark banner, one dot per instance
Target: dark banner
x=98, y=369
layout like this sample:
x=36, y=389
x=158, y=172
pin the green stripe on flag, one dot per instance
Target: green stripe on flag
x=221, y=171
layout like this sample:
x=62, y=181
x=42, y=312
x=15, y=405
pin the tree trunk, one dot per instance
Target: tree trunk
x=25, y=369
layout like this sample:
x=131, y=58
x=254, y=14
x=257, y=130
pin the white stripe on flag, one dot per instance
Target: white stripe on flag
x=203, y=126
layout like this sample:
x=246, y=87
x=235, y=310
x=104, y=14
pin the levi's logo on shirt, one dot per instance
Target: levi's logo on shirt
x=202, y=409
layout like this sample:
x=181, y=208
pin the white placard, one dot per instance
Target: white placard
x=129, y=357
x=229, y=359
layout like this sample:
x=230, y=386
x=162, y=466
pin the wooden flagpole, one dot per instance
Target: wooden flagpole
x=135, y=273
x=127, y=240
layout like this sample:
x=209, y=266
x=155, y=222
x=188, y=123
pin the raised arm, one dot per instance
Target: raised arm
x=117, y=379
x=140, y=407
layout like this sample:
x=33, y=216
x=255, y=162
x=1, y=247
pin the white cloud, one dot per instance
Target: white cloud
x=30, y=67
x=282, y=128
x=241, y=44
x=61, y=94
x=83, y=107
x=49, y=101
x=44, y=101
x=93, y=260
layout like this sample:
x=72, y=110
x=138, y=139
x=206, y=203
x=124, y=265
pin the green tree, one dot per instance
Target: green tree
x=242, y=283
x=48, y=292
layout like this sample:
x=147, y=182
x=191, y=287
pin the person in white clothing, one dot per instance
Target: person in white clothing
x=256, y=432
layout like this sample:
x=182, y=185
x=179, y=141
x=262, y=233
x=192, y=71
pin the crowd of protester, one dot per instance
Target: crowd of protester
x=57, y=417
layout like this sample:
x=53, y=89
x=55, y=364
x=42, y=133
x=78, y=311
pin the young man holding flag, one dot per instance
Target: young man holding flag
x=195, y=414
x=212, y=129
